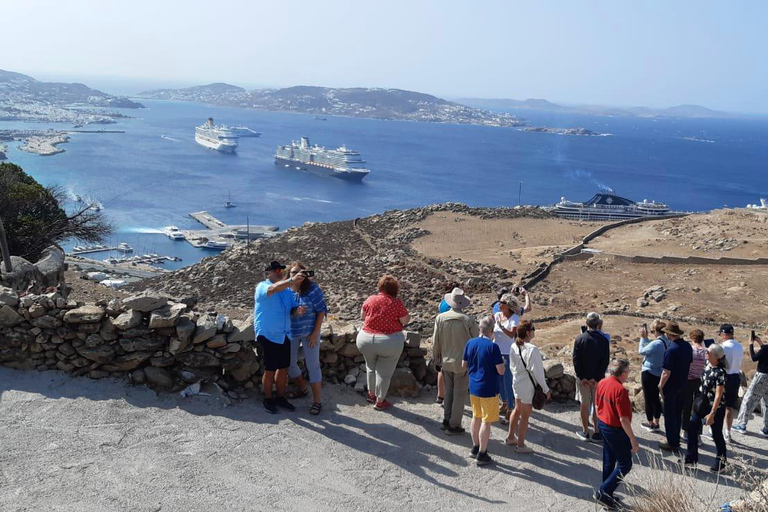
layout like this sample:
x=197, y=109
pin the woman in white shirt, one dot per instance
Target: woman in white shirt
x=527, y=367
x=504, y=334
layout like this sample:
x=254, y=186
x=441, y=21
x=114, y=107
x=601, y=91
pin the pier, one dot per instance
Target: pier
x=89, y=250
x=219, y=231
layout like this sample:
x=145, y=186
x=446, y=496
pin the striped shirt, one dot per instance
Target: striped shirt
x=699, y=362
x=302, y=326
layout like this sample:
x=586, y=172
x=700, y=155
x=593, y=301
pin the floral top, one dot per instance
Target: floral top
x=714, y=376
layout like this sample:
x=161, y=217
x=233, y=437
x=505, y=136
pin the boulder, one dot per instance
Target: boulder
x=94, y=340
x=8, y=297
x=9, y=317
x=136, y=344
x=46, y=322
x=128, y=361
x=553, y=369
x=198, y=359
x=128, y=320
x=166, y=316
x=84, y=314
x=176, y=346
x=184, y=329
x=217, y=341
x=98, y=374
x=36, y=310
x=145, y=301
x=138, y=377
x=101, y=354
x=404, y=383
x=67, y=349
x=158, y=377
x=114, y=307
x=206, y=329
x=567, y=384
x=349, y=350
x=412, y=339
x=242, y=330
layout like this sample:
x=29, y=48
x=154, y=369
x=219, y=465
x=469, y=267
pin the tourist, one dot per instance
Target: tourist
x=614, y=416
x=712, y=390
x=443, y=307
x=306, y=334
x=453, y=330
x=694, y=376
x=504, y=336
x=274, y=305
x=528, y=369
x=734, y=354
x=758, y=388
x=516, y=292
x=381, y=340
x=653, y=356
x=591, y=355
x=483, y=362
x=674, y=378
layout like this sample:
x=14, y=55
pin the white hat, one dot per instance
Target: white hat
x=456, y=299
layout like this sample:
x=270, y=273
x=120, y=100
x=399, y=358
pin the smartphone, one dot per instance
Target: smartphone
x=752, y=336
x=645, y=329
x=708, y=343
x=583, y=329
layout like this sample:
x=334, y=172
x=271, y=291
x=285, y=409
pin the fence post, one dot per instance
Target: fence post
x=4, y=249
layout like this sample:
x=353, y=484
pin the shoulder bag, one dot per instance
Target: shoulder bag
x=539, y=397
x=701, y=405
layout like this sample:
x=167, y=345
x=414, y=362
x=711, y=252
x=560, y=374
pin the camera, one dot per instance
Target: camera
x=308, y=273
x=516, y=290
x=753, y=337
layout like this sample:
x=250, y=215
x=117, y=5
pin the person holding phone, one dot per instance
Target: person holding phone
x=653, y=344
x=758, y=388
x=734, y=355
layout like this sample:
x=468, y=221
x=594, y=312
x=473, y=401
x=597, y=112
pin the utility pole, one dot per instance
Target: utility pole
x=248, y=235
x=520, y=195
x=6, y=253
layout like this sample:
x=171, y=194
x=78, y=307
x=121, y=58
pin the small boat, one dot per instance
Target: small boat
x=112, y=261
x=229, y=203
x=320, y=118
x=174, y=233
x=124, y=247
x=214, y=245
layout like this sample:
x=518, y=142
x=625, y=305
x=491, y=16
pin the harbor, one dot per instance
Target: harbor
x=218, y=235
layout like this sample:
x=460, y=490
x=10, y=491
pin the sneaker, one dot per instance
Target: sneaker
x=523, y=449
x=764, y=432
x=370, y=398
x=483, y=459
x=382, y=405
x=718, y=466
x=269, y=406
x=648, y=426
x=439, y=400
x=597, y=437
x=727, y=436
x=741, y=429
x=690, y=463
x=454, y=431
x=283, y=403
x=605, y=501
x=584, y=436
x=668, y=447
x=444, y=425
x=474, y=451
x=684, y=436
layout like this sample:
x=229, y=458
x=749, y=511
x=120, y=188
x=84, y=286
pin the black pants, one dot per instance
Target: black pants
x=673, y=410
x=690, y=390
x=694, y=429
x=650, y=384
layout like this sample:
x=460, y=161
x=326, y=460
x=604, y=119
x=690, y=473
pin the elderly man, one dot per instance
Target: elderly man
x=674, y=379
x=274, y=304
x=734, y=355
x=591, y=355
x=453, y=329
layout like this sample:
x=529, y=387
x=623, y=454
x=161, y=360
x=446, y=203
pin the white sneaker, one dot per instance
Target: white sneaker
x=727, y=436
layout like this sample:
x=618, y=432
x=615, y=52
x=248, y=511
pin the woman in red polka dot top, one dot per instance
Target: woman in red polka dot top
x=381, y=340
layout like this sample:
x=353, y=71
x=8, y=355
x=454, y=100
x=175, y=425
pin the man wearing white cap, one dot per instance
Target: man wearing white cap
x=452, y=331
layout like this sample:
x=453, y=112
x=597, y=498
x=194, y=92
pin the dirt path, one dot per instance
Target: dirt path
x=82, y=445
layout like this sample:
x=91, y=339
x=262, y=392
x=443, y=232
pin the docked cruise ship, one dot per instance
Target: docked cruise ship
x=221, y=138
x=606, y=205
x=341, y=163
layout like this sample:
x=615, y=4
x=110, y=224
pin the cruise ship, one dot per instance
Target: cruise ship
x=244, y=131
x=341, y=163
x=606, y=205
x=221, y=138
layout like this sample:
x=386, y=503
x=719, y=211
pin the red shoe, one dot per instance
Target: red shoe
x=370, y=398
x=382, y=405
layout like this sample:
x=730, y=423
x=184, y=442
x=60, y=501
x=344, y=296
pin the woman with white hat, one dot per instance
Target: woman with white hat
x=504, y=334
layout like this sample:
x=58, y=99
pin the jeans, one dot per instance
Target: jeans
x=505, y=384
x=690, y=390
x=617, y=457
x=650, y=384
x=381, y=352
x=456, y=388
x=311, y=359
x=694, y=429
x=673, y=410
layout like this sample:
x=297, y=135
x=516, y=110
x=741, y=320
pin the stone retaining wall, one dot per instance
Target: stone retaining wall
x=48, y=272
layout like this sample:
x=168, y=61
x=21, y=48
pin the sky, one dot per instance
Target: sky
x=652, y=53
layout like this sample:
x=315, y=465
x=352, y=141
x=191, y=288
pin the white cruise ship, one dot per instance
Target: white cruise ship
x=221, y=138
x=606, y=205
x=341, y=163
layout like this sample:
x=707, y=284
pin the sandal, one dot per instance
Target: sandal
x=298, y=393
x=316, y=408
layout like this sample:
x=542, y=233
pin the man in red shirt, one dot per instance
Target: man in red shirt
x=614, y=418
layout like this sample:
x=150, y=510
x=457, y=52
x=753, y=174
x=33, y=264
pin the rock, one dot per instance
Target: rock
x=98, y=374
x=242, y=330
x=231, y=348
x=567, y=384
x=67, y=349
x=184, y=329
x=145, y=301
x=128, y=361
x=639, y=402
x=128, y=320
x=412, y=339
x=349, y=350
x=176, y=346
x=138, y=377
x=217, y=341
x=134, y=344
x=8, y=297
x=47, y=322
x=94, y=340
x=89, y=328
x=114, y=307
x=350, y=379
x=641, y=303
x=198, y=359
x=360, y=385
x=553, y=369
x=9, y=317
x=36, y=310
x=404, y=383
x=101, y=354
x=84, y=314
x=158, y=377
x=167, y=316
x=206, y=329
x=162, y=361
x=65, y=366
x=330, y=358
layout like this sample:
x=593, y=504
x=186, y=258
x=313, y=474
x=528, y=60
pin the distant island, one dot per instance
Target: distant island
x=687, y=111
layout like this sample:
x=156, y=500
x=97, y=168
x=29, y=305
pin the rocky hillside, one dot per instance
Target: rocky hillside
x=349, y=257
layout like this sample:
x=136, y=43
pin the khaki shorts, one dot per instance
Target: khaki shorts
x=585, y=394
x=484, y=408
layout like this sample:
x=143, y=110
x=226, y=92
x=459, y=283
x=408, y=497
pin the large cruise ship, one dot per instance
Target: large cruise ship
x=341, y=163
x=221, y=138
x=606, y=205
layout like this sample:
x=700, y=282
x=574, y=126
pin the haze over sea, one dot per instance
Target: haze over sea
x=155, y=174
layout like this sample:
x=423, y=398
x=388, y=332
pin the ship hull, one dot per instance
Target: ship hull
x=321, y=170
x=216, y=146
x=576, y=214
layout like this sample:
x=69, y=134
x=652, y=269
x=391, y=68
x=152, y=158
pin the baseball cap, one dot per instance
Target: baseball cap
x=274, y=265
x=726, y=329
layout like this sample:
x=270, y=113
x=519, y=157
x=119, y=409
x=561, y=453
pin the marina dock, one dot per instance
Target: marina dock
x=218, y=231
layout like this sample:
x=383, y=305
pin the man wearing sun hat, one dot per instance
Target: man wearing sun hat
x=452, y=331
x=674, y=378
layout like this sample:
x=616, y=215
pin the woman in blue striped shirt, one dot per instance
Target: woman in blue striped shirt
x=306, y=333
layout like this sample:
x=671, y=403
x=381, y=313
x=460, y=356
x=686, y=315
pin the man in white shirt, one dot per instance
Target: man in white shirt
x=734, y=354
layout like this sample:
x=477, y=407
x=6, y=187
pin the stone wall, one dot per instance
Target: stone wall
x=48, y=272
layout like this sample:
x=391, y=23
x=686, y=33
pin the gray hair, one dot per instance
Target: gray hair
x=618, y=367
x=718, y=351
x=593, y=320
x=486, y=325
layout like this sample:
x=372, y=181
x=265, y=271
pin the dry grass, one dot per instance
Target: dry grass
x=669, y=488
x=754, y=482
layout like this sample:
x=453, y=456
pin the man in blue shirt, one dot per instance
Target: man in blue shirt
x=274, y=304
x=674, y=378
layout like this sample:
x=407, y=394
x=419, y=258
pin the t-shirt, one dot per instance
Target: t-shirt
x=612, y=402
x=272, y=313
x=443, y=307
x=502, y=340
x=734, y=354
x=713, y=377
x=382, y=314
x=760, y=357
x=698, y=363
x=677, y=359
x=482, y=356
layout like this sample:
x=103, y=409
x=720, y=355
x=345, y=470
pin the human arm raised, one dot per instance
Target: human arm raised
x=527, y=306
x=285, y=283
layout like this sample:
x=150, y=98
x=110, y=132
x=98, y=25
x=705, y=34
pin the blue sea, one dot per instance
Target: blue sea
x=155, y=174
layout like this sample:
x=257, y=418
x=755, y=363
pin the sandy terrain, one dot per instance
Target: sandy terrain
x=74, y=444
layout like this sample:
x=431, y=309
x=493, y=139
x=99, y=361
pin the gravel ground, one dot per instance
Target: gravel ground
x=73, y=444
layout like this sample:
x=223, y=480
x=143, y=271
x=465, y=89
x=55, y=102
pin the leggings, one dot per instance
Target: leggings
x=381, y=352
x=651, y=393
x=311, y=359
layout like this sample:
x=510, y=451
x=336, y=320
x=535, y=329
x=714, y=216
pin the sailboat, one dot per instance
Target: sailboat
x=229, y=203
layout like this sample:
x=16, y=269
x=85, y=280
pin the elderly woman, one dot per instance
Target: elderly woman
x=381, y=339
x=504, y=334
x=528, y=367
x=306, y=334
x=653, y=352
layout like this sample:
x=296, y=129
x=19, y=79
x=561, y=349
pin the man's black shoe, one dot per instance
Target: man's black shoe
x=454, y=431
x=669, y=448
x=269, y=406
x=483, y=459
x=284, y=404
x=445, y=425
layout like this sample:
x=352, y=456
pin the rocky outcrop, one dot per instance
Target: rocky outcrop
x=47, y=273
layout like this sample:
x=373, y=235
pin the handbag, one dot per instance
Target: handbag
x=701, y=405
x=539, y=397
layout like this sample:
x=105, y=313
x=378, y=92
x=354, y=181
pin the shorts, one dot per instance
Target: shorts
x=277, y=356
x=732, y=383
x=485, y=408
x=586, y=394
